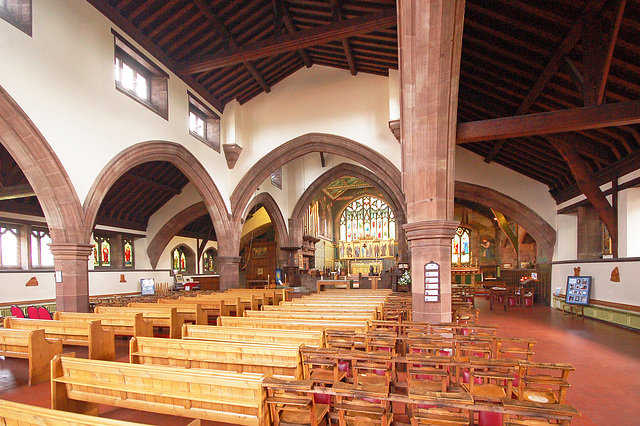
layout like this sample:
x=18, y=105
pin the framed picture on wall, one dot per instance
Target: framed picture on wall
x=578, y=290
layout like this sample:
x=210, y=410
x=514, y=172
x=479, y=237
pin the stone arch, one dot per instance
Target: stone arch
x=390, y=190
x=44, y=171
x=272, y=208
x=306, y=144
x=540, y=230
x=186, y=162
x=190, y=257
x=171, y=228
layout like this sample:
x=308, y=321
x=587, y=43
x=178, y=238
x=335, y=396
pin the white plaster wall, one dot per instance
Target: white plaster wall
x=165, y=258
x=567, y=237
x=471, y=168
x=632, y=222
x=627, y=291
x=63, y=78
x=317, y=99
x=14, y=289
x=108, y=282
x=188, y=197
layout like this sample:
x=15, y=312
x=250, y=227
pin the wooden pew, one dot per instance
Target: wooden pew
x=15, y=413
x=270, y=359
x=321, y=315
x=123, y=324
x=79, y=385
x=214, y=304
x=160, y=316
x=272, y=296
x=189, y=311
x=31, y=345
x=100, y=340
x=254, y=335
x=248, y=301
x=294, y=324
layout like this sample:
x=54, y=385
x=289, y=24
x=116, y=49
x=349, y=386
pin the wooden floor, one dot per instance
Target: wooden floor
x=605, y=386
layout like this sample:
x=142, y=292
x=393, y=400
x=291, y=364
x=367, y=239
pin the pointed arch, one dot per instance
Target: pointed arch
x=272, y=208
x=44, y=171
x=306, y=144
x=540, y=230
x=186, y=162
x=171, y=228
x=389, y=189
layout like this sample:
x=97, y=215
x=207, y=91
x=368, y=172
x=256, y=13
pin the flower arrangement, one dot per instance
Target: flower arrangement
x=405, y=279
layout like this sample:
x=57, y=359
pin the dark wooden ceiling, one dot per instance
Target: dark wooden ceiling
x=518, y=57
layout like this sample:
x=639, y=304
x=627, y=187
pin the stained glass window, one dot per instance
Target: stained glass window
x=209, y=260
x=101, y=251
x=40, y=253
x=367, y=222
x=127, y=253
x=9, y=246
x=460, y=248
x=179, y=259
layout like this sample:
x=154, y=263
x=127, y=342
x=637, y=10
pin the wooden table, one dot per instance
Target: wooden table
x=257, y=283
x=323, y=284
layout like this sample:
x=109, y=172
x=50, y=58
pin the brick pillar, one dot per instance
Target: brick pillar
x=72, y=294
x=430, y=41
x=229, y=270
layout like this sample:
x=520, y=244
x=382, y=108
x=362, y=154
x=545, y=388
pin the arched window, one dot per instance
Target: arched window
x=9, y=246
x=460, y=248
x=127, y=253
x=40, y=254
x=367, y=229
x=183, y=260
x=101, y=251
x=209, y=260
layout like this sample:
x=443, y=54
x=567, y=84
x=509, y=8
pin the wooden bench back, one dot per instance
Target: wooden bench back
x=247, y=301
x=214, y=304
x=31, y=345
x=320, y=315
x=190, y=311
x=294, y=324
x=79, y=385
x=123, y=324
x=159, y=316
x=100, y=340
x=257, y=335
x=271, y=359
x=15, y=413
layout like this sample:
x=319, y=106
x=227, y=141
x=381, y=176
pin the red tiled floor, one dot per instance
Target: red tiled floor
x=605, y=386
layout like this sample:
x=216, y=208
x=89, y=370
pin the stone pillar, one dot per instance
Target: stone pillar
x=430, y=241
x=72, y=294
x=430, y=42
x=229, y=270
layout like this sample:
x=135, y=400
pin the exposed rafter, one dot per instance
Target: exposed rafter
x=570, y=120
x=292, y=42
x=338, y=15
x=16, y=191
x=220, y=28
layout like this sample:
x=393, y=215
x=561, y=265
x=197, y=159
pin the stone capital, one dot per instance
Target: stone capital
x=431, y=229
x=232, y=153
x=71, y=251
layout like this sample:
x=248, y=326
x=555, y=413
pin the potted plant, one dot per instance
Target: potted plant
x=404, y=282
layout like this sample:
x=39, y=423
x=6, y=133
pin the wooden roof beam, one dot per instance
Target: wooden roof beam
x=291, y=42
x=16, y=191
x=228, y=39
x=338, y=16
x=588, y=186
x=568, y=120
x=291, y=28
x=550, y=70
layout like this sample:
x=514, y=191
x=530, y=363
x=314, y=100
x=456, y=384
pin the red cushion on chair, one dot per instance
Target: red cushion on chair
x=320, y=398
x=487, y=418
x=16, y=312
x=44, y=313
x=32, y=312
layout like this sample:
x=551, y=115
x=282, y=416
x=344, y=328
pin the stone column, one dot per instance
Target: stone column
x=229, y=270
x=72, y=294
x=430, y=41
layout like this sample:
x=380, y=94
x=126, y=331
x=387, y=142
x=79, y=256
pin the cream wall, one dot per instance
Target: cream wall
x=317, y=99
x=64, y=80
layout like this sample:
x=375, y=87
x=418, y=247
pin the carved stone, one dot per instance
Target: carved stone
x=232, y=153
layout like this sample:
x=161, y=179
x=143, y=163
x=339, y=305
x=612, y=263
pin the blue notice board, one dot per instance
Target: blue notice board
x=147, y=286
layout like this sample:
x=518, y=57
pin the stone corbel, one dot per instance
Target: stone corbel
x=394, y=126
x=232, y=153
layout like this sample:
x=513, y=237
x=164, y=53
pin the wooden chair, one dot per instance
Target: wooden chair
x=321, y=366
x=514, y=348
x=488, y=380
x=544, y=383
x=439, y=416
x=290, y=403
